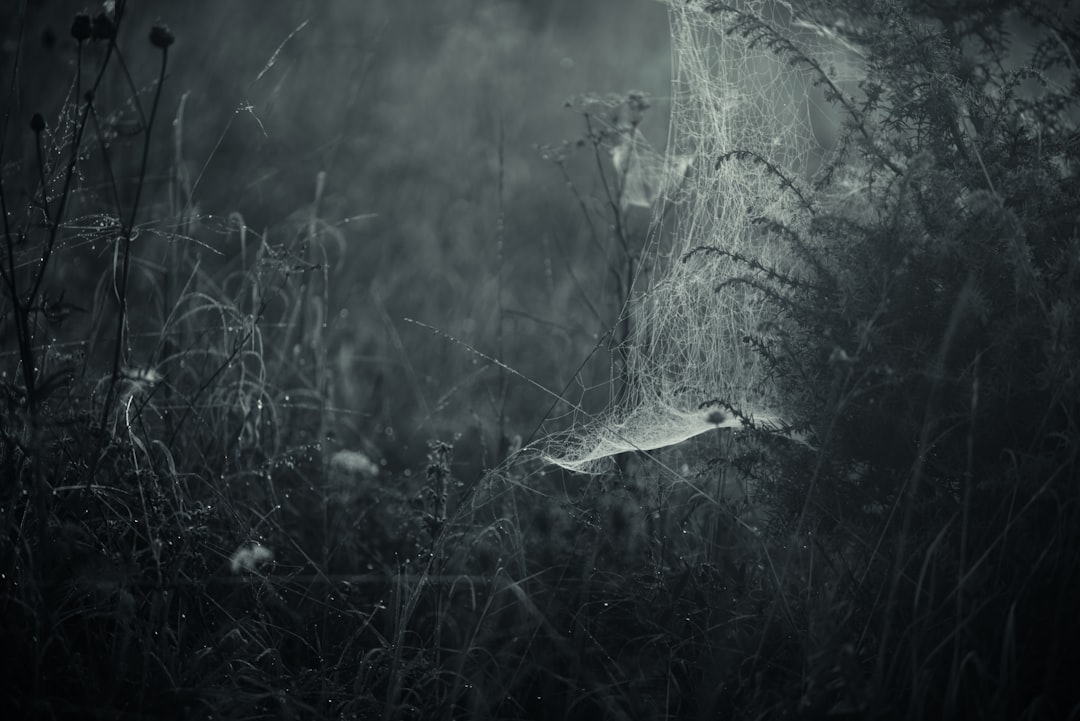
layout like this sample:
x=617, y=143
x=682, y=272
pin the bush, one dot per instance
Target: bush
x=928, y=347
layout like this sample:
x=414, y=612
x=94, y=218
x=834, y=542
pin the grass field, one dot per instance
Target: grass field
x=243, y=475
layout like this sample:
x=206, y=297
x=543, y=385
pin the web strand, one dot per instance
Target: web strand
x=686, y=352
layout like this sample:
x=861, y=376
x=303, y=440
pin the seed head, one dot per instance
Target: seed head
x=81, y=27
x=103, y=28
x=161, y=36
x=37, y=122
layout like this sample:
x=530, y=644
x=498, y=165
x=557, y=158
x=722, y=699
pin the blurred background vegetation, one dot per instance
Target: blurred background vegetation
x=417, y=113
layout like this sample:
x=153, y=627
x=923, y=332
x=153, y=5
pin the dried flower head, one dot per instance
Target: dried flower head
x=161, y=37
x=103, y=28
x=637, y=103
x=81, y=27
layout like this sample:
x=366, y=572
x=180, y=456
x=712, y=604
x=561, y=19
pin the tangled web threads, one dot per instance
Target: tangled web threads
x=741, y=114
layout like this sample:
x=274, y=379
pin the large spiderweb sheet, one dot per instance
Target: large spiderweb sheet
x=687, y=366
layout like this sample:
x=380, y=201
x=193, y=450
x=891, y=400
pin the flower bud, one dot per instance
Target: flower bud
x=37, y=122
x=161, y=37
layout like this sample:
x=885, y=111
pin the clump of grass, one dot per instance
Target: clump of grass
x=145, y=449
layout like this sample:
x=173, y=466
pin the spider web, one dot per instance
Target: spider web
x=688, y=369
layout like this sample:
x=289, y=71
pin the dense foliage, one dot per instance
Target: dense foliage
x=928, y=346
